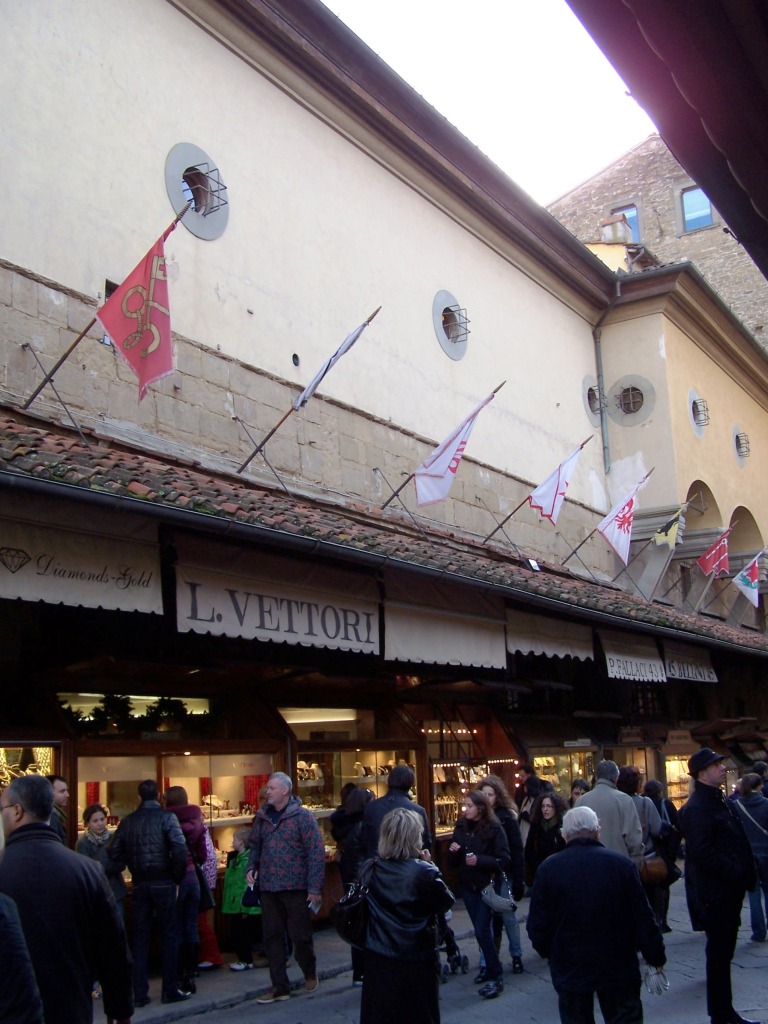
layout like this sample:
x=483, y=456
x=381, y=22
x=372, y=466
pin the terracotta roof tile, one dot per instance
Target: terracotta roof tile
x=45, y=454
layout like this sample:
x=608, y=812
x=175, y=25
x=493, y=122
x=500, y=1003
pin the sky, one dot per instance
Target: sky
x=522, y=79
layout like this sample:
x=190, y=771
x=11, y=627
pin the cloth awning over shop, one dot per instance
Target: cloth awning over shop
x=685, y=662
x=425, y=622
x=229, y=591
x=534, y=634
x=110, y=561
x=632, y=657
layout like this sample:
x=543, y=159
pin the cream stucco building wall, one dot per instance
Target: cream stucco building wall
x=321, y=230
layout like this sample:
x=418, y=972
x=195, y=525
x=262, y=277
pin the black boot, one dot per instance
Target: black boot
x=186, y=972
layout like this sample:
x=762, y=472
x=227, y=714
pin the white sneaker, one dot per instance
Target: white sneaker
x=240, y=965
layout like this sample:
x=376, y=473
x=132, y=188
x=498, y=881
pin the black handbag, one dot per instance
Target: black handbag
x=206, y=896
x=251, y=897
x=350, y=914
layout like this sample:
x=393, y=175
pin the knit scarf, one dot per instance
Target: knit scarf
x=101, y=840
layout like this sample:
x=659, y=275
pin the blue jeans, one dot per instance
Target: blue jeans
x=756, y=915
x=187, y=909
x=480, y=914
x=154, y=899
x=511, y=926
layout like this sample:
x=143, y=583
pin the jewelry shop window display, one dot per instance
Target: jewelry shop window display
x=225, y=786
x=321, y=776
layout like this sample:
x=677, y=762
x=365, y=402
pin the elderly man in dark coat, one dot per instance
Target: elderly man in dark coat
x=589, y=916
x=68, y=913
x=719, y=870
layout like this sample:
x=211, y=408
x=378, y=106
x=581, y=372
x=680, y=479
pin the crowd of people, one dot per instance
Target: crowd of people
x=607, y=855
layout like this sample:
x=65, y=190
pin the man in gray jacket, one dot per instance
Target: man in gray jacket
x=619, y=822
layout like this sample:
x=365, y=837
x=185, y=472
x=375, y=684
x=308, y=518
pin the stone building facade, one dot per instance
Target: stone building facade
x=649, y=183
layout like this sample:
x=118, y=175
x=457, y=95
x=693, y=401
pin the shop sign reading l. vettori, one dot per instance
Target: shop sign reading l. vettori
x=208, y=601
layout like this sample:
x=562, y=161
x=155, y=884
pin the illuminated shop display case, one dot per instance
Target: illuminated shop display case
x=225, y=785
x=452, y=780
x=323, y=771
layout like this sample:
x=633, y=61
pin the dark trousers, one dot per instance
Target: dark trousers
x=154, y=899
x=480, y=914
x=724, y=918
x=618, y=1006
x=281, y=912
x=246, y=931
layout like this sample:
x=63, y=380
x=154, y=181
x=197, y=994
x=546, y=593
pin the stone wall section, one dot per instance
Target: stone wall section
x=650, y=177
x=213, y=410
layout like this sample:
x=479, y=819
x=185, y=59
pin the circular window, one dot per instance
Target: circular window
x=698, y=412
x=590, y=396
x=451, y=325
x=630, y=400
x=190, y=174
x=741, y=445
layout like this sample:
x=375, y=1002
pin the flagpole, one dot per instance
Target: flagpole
x=581, y=544
x=410, y=476
x=277, y=426
x=517, y=509
x=52, y=373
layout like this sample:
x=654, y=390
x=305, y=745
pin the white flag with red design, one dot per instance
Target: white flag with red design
x=434, y=477
x=138, y=319
x=616, y=527
x=549, y=496
x=715, y=558
x=748, y=580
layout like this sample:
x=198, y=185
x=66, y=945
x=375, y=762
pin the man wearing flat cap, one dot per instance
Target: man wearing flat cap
x=719, y=870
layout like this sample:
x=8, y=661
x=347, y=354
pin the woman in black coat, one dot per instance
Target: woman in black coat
x=544, y=836
x=346, y=828
x=405, y=895
x=668, y=843
x=480, y=851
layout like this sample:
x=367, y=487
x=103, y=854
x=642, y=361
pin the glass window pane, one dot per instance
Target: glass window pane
x=697, y=211
x=630, y=212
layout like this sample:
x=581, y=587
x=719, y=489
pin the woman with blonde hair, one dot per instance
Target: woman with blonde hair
x=405, y=895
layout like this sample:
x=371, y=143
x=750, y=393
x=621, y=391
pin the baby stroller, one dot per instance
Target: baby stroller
x=446, y=940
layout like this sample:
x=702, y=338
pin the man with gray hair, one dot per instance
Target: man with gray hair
x=620, y=829
x=287, y=859
x=589, y=916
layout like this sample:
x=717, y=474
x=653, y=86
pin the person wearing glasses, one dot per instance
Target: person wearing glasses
x=68, y=913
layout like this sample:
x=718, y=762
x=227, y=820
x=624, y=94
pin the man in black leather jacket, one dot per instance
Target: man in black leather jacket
x=719, y=870
x=151, y=843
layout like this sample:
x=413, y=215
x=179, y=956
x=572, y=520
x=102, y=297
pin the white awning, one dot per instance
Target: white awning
x=109, y=561
x=683, y=661
x=632, y=657
x=535, y=634
x=418, y=634
x=428, y=622
x=230, y=591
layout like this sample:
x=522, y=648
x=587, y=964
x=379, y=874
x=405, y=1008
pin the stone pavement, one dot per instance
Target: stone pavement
x=528, y=998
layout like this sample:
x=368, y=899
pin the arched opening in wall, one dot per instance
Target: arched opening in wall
x=745, y=538
x=703, y=511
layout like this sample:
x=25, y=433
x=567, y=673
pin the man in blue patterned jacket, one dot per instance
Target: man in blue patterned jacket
x=287, y=859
